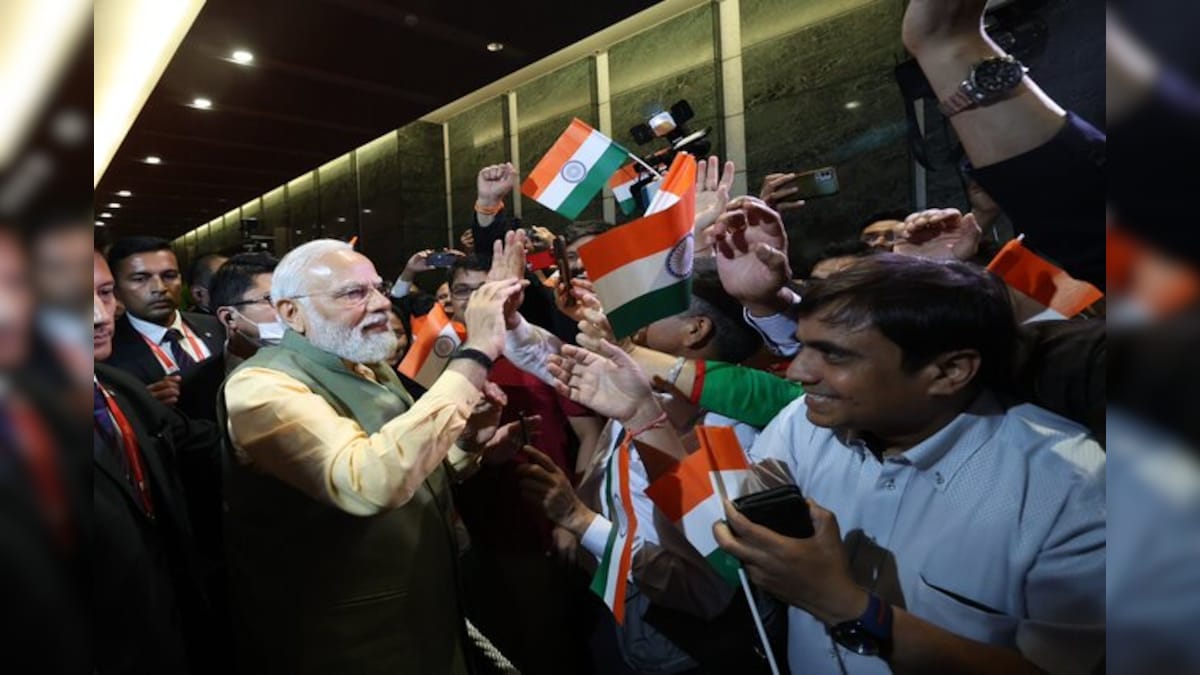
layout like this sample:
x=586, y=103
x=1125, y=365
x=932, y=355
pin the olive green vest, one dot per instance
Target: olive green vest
x=317, y=590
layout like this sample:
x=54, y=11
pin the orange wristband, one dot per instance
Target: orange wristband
x=489, y=211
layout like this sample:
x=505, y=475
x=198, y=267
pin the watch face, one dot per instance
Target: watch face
x=996, y=76
x=856, y=639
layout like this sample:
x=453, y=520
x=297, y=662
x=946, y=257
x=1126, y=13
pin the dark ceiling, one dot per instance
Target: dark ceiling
x=327, y=76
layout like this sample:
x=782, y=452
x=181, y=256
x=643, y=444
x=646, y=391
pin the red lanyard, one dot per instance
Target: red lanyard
x=129, y=444
x=41, y=453
x=165, y=360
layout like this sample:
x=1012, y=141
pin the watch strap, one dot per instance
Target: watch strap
x=957, y=102
x=472, y=355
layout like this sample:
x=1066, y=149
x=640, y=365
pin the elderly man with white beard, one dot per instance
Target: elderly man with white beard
x=339, y=528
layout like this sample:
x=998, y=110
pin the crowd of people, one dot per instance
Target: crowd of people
x=273, y=491
x=273, y=495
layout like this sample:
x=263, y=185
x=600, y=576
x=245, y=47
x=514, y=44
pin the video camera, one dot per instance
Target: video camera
x=669, y=125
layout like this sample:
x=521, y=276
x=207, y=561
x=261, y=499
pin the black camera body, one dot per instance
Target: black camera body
x=668, y=125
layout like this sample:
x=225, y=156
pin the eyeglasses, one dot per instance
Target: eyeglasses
x=264, y=300
x=463, y=292
x=351, y=296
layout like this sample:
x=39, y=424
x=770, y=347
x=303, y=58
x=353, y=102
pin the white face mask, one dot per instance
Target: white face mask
x=268, y=333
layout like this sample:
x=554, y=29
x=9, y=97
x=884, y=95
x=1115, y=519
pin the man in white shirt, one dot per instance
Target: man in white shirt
x=176, y=354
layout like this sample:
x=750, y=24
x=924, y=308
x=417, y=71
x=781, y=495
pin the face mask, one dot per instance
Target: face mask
x=268, y=333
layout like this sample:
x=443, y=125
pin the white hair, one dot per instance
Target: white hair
x=288, y=280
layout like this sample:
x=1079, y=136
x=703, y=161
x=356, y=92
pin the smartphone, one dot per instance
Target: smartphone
x=442, y=259
x=781, y=509
x=821, y=182
x=564, y=268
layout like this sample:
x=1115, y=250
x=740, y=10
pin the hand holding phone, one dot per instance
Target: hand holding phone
x=443, y=259
x=782, y=509
x=564, y=269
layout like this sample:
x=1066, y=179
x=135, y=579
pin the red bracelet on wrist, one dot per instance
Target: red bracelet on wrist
x=654, y=424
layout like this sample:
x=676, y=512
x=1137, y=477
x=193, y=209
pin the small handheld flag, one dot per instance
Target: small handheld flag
x=434, y=339
x=642, y=270
x=574, y=170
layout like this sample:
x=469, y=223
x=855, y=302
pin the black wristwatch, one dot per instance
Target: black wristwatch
x=869, y=634
x=473, y=355
x=990, y=80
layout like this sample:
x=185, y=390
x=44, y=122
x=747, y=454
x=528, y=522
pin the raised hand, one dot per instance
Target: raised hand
x=712, y=194
x=775, y=191
x=608, y=381
x=494, y=182
x=751, y=247
x=467, y=239
x=582, y=295
x=508, y=262
x=485, y=319
x=940, y=234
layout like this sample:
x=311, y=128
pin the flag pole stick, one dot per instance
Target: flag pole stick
x=719, y=482
x=639, y=161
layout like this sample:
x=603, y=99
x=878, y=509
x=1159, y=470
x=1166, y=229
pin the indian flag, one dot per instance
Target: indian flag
x=612, y=575
x=434, y=338
x=690, y=493
x=1062, y=295
x=642, y=270
x=621, y=185
x=574, y=170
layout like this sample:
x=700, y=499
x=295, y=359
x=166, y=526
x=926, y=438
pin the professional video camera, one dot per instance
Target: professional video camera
x=668, y=125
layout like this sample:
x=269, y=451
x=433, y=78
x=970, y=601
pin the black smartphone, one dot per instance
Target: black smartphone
x=564, y=267
x=781, y=509
x=821, y=182
x=442, y=259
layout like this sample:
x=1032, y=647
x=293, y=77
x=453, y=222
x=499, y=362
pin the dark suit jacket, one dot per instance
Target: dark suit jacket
x=198, y=391
x=151, y=614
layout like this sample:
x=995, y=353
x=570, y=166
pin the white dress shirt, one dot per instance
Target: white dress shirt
x=158, y=335
x=993, y=528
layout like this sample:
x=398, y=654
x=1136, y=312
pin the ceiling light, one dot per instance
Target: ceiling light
x=99, y=223
x=495, y=46
x=242, y=56
x=341, y=219
x=154, y=159
x=106, y=214
x=114, y=205
x=124, y=193
x=202, y=103
x=366, y=210
x=851, y=105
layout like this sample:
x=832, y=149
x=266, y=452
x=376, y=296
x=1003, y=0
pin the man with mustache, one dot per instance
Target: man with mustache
x=176, y=354
x=342, y=551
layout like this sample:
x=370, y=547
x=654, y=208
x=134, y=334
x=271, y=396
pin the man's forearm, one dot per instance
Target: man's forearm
x=992, y=133
x=921, y=647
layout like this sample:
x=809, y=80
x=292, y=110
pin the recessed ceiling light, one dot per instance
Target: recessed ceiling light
x=106, y=214
x=99, y=223
x=154, y=159
x=114, y=205
x=202, y=103
x=851, y=105
x=341, y=219
x=124, y=193
x=495, y=46
x=366, y=210
x=242, y=56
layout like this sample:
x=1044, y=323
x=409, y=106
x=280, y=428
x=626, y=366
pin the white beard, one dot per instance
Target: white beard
x=349, y=342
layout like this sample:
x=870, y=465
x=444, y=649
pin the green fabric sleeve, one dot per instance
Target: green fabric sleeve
x=746, y=394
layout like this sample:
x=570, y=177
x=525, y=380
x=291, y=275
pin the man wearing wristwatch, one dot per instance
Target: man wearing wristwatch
x=339, y=530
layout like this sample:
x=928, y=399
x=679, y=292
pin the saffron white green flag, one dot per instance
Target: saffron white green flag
x=612, y=575
x=574, y=169
x=642, y=270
